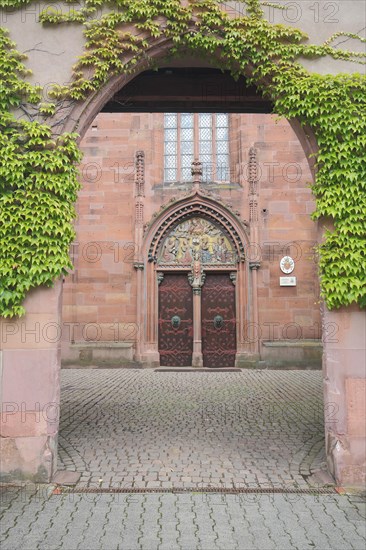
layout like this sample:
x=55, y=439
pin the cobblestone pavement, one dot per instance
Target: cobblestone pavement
x=31, y=520
x=140, y=428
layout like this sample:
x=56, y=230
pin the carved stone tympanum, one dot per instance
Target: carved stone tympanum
x=197, y=237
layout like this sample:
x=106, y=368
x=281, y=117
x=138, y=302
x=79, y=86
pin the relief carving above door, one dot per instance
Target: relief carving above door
x=197, y=237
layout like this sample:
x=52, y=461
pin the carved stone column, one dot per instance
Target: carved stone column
x=196, y=280
x=139, y=264
x=254, y=266
x=197, y=357
x=150, y=315
x=255, y=255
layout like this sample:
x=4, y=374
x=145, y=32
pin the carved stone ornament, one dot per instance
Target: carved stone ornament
x=196, y=170
x=197, y=277
x=140, y=173
x=160, y=277
x=185, y=213
x=253, y=174
x=197, y=239
x=139, y=212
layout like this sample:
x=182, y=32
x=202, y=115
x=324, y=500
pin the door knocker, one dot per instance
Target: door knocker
x=175, y=321
x=218, y=321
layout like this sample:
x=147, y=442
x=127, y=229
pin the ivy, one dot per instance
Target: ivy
x=335, y=106
x=38, y=174
x=38, y=188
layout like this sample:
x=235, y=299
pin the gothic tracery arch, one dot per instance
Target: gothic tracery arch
x=208, y=237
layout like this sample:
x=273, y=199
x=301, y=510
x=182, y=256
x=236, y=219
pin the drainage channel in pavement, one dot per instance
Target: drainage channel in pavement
x=222, y=490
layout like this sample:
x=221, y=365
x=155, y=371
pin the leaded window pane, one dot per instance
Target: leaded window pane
x=170, y=174
x=205, y=147
x=186, y=134
x=170, y=162
x=222, y=173
x=205, y=120
x=186, y=120
x=222, y=133
x=170, y=120
x=187, y=161
x=186, y=174
x=170, y=134
x=186, y=147
x=205, y=134
x=205, y=159
x=222, y=147
x=170, y=148
x=214, y=155
x=207, y=171
x=222, y=120
x=222, y=160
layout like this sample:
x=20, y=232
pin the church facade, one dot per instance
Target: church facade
x=194, y=245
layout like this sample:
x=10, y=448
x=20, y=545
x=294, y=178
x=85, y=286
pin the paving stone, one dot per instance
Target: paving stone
x=257, y=441
x=184, y=521
x=197, y=428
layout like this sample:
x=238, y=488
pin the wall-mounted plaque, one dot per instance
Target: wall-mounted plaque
x=287, y=281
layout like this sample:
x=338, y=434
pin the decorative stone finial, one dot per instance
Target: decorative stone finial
x=196, y=173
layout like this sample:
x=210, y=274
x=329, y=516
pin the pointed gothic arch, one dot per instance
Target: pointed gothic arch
x=202, y=206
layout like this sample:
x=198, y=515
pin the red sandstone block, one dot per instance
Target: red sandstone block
x=303, y=194
x=291, y=154
x=118, y=280
x=85, y=314
x=304, y=319
x=281, y=314
x=283, y=292
x=297, y=303
x=115, y=298
x=263, y=292
x=89, y=275
x=95, y=299
x=279, y=132
x=299, y=208
x=130, y=309
x=112, y=316
x=280, y=207
x=87, y=193
x=278, y=304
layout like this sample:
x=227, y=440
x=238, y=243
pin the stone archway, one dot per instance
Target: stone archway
x=83, y=113
x=26, y=357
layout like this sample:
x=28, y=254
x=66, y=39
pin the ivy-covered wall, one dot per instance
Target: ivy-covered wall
x=38, y=165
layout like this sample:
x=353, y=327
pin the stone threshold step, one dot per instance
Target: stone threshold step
x=196, y=369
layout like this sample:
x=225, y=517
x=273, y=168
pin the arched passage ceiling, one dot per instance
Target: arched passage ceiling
x=193, y=89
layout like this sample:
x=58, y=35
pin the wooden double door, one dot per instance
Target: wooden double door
x=217, y=319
